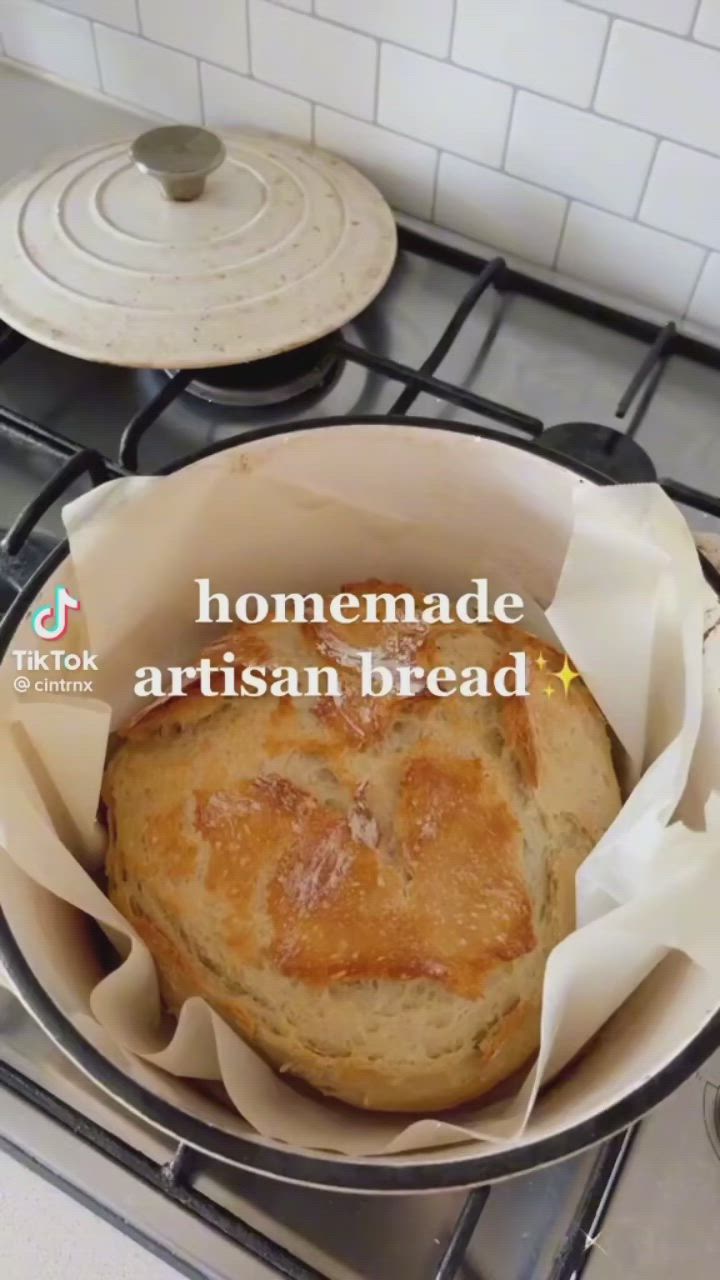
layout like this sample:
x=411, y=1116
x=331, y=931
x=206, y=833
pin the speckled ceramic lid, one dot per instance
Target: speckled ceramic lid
x=283, y=244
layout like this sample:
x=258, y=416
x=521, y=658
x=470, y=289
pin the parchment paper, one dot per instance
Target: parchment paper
x=619, y=570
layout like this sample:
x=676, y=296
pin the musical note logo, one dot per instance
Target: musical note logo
x=51, y=621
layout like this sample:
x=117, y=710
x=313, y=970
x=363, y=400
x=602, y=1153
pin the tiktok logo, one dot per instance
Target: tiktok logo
x=51, y=621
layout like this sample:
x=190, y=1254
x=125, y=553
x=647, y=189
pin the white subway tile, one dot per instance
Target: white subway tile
x=46, y=38
x=547, y=45
x=313, y=58
x=241, y=102
x=627, y=259
x=119, y=13
x=474, y=115
x=669, y=86
x=578, y=153
x=499, y=210
x=670, y=15
x=683, y=195
x=158, y=79
x=707, y=27
x=218, y=32
x=425, y=25
x=402, y=169
x=705, y=304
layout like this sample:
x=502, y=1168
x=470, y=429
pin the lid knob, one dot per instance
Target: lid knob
x=180, y=157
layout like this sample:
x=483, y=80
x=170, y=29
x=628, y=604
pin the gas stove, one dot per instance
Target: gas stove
x=477, y=344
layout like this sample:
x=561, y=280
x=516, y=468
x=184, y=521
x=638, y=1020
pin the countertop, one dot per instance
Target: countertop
x=43, y=1232
x=40, y=116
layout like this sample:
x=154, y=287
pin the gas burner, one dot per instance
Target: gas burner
x=275, y=380
x=16, y=570
x=602, y=448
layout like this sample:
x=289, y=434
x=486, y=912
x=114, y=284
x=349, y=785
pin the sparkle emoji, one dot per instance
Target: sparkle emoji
x=566, y=675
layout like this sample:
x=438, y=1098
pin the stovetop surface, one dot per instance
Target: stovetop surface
x=642, y=1207
x=651, y=1194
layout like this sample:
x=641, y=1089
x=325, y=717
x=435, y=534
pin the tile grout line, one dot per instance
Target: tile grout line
x=639, y=22
x=436, y=183
x=482, y=75
x=703, y=44
x=479, y=163
x=93, y=93
x=443, y=61
x=448, y=58
x=570, y=106
x=601, y=63
x=358, y=31
x=564, y=195
x=693, y=20
x=696, y=283
x=579, y=200
x=687, y=146
x=464, y=67
x=201, y=95
x=470, y=160
x=86, y=20
x=508, y=131
x=529, y=182
x=93, y=37
x=528, y=264
x=248, y=38
x=183, y=53
x=670, y=235
x=376, y=95
x=561, y=237
x=646, y=183
x=138, y=16
x=453, y=25
x=265, y=84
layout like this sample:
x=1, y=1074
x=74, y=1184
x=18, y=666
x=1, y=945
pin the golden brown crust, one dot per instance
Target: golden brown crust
x=366, y=888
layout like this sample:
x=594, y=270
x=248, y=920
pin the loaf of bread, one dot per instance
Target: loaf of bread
x=365, y=889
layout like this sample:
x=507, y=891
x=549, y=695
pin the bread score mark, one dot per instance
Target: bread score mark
x=340, y=908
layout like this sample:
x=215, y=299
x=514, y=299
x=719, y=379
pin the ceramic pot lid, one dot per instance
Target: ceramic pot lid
x=187, y=251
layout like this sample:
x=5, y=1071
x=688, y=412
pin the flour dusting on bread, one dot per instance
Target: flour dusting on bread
x=366, y=889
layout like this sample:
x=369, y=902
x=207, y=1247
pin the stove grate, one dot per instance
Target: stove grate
x=663, y=343
x=175, y=1179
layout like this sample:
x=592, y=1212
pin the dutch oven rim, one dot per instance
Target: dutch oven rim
x=366, y=1174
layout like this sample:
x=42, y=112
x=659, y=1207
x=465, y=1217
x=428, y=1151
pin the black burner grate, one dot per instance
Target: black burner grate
x=584, y=447
x=175, y=1180
x=663, y=342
